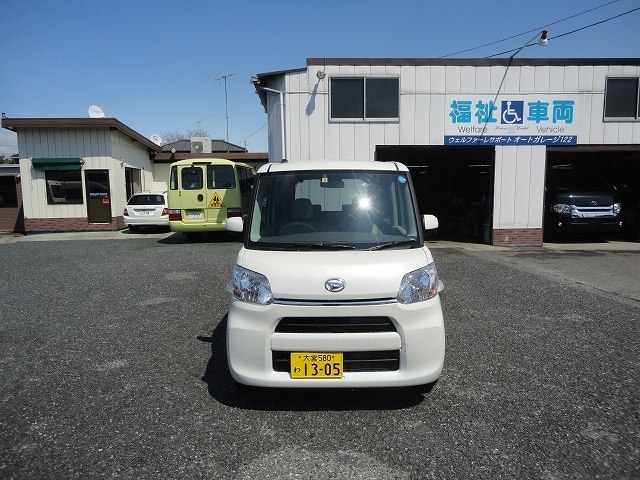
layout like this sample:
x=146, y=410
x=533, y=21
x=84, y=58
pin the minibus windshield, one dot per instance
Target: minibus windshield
x=333, y=210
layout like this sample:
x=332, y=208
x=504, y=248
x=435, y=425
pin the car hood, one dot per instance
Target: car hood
x=368, y=275
x=585, y=199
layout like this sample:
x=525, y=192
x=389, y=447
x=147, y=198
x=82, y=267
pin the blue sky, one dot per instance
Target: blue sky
x=152, y=64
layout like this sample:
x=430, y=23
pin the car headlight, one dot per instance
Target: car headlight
x=562, y=208
x=420, y=285
x=617, y=207
x=248, y=286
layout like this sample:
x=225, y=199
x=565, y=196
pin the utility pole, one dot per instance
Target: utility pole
x=226, y=110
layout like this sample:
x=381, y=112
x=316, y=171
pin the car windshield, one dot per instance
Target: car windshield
x=574, y=181
x=146, y=199
x=333, y=210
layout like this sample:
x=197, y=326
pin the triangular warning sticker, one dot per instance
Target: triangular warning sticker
x=216, y=201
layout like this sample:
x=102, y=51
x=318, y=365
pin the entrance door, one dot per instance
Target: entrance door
x=11, y=213
x=98, y=196
x=132, y=180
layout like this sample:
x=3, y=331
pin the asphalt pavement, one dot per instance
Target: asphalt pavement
x=113, y=365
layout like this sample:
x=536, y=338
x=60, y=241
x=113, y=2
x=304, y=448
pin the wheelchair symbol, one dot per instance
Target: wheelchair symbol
x=512, y=112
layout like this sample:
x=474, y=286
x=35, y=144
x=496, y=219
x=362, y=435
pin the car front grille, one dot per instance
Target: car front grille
x=376, y=361
x=603, y=211
x=335, y=325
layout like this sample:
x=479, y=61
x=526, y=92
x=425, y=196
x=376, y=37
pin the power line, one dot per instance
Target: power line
x=529, y=31
x=572, y=31
x=221, y=112
x=253, y=133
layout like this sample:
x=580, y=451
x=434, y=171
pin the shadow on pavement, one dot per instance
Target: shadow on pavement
x=225, y=390
x=208, y=237
x=146, y=229
x=584, y=237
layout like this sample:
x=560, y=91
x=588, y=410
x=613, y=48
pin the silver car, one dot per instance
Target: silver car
x=146, y=209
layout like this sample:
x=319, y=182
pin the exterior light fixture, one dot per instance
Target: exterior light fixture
x=542, y=41
x=321, y=74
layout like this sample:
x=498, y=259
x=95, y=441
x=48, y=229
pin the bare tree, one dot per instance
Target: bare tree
x=174, y=135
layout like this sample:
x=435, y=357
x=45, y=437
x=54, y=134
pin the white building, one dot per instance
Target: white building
x=77, y=173
x=478, y=134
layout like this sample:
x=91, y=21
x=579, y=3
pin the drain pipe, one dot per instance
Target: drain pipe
x=284, y=144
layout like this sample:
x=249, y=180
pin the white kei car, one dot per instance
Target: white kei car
x=146, y=209
x=334, y=286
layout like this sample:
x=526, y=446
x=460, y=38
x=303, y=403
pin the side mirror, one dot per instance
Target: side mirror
x=430, y=224
x=235, y=225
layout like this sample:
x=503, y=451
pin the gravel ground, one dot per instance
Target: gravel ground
x=113, y=364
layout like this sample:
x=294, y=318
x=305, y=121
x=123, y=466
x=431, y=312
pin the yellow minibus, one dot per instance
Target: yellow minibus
x=204, y=192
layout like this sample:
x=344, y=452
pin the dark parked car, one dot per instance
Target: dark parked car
x=581, y=201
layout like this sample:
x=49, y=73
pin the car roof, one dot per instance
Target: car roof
x=333, y=165
x=149, y=193
x=207, y=161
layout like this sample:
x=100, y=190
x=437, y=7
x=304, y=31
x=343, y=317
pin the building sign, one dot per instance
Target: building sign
x=512, y=120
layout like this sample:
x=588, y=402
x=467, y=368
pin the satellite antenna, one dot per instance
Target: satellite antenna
x=155, y=138
x=95, y=112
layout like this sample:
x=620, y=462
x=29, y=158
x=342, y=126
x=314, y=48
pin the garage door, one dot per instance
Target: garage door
x=453, y=183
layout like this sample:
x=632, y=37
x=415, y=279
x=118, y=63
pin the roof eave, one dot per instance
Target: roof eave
x=474, y=62
x=16, y=123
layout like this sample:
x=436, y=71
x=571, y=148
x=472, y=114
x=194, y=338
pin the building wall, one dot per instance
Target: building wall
x=161, y=176
x=520, y=170
x=423, y=108
x=519, y=187
x=276, y=153
x=99, y=148
x=127, y=153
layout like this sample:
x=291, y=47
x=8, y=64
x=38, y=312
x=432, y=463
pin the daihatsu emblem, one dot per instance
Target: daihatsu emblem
x=594, y=203
x=335, y=285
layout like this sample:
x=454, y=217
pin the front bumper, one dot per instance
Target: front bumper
x=568, y=224
x=419, y=340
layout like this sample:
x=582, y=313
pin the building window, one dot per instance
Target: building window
x=64, y=187
x=621, y=98
x=359, y=98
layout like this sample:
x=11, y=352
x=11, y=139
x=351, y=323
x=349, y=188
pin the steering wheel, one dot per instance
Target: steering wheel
x=297, y=227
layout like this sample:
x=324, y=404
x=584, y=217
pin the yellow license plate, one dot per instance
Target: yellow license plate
x=316, y=365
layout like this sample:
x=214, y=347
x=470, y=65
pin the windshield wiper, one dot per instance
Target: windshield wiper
x=325, y=246
x=304, y=246
x=382, y=246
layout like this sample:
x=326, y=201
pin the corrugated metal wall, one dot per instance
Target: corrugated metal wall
x=100, y=148
x=519, y=171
